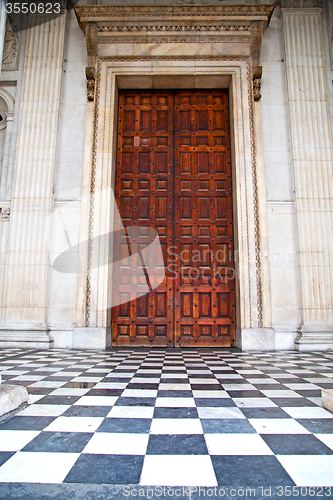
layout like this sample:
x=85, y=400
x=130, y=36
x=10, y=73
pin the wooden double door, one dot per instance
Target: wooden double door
x=173, y=179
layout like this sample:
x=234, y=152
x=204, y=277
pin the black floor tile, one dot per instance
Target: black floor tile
x=106, y=469
x=165, y=380
x=205, y=387
x=253, y=471
x=26, y=423
x=123, y=401
x=87, y=411
x=105, y=392
x=214, y=402
x=58, y=400
x=296, y=444
x=134, y=385
x=42, y=391
x=309, y=393
x=317, y=425
x=175, y=394
x=59, y=442
x=180, y=444
x=293, y=402
x=245, y=394
x=226, y=426
x=264, y=413
x=161, y=412
x=126, y=425
x=5, y=455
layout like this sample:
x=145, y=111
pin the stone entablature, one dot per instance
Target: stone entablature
x=241, y=27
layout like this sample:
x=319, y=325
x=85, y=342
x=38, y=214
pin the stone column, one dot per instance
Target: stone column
x=26, y=286
x=311, y=146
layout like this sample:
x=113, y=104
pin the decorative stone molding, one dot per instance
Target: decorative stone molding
x=5, y=213
x=301, y=4
x=91, y=40
x=114, y=24
x=10, y=49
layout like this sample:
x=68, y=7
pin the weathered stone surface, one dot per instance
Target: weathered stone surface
x=327, y=398
x=11, y=397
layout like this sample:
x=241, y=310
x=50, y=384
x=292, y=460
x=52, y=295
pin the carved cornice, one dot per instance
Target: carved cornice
x=96, y=13
x=116, y=24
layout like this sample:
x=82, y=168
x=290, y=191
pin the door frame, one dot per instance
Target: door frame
x=124, y=70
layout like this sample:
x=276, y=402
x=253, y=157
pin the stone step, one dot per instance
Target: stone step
x=327, y=399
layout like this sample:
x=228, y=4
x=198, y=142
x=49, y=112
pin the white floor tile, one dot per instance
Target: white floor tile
x=176, y=426
x=239, y=387
x=75, y=424
x=326, y=439
x=131, y=412
x=178, y=470
x=237, y=444
x=37, y=410
x=298, y=387
x=210, y=394
x=48, y=384
x=117, y=444
x=28, y=378
x=15, y=440
x=307, y=412
x=277, y=426
x=96, y=401
x=262, y=381
x=69, y=391
x=147, y=380
x=86, y=379
x=33, y=398
x=111, y=385
x=139, y=393
x=35, y=467
x=175, y=402
x=309, y=470
x=280, y=394
x=174, y=387
x=210, y=412
x=204, y=381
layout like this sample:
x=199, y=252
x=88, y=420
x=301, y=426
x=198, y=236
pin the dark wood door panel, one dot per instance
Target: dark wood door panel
x=174, y=176
x=144, y=190
x=204, y=287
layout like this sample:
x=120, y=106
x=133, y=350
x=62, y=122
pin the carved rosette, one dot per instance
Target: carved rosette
x=114, y=24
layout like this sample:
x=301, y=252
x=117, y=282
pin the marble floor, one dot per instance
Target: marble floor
x=170, y=417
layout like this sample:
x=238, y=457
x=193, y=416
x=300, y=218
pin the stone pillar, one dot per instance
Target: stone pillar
x=311, y=146
x=26, y=286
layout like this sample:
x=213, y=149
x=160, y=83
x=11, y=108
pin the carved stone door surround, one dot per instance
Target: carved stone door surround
x=145, y=47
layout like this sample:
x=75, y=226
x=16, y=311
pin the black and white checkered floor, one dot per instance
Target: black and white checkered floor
x=204, y=417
